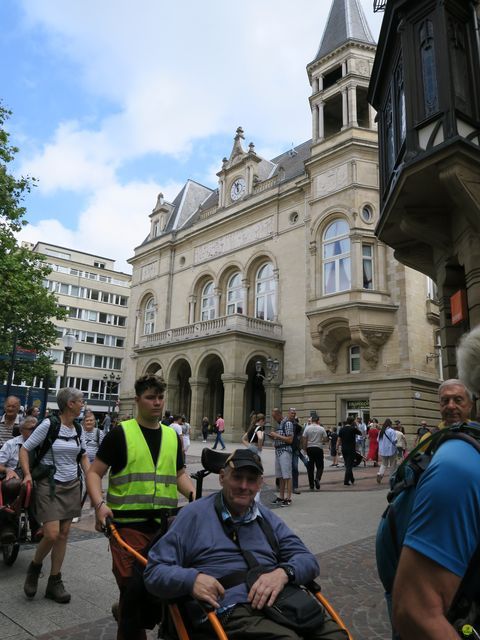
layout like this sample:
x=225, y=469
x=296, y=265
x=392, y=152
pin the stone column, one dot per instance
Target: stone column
x=171, y=398
x=217, y=292
x=272, y=400
x=233, y=406
x=191, y=309
x=315, y=134
x=356, y=267
x=344, y=108
x=352, y=109
x=321, y=121
x=197, y=406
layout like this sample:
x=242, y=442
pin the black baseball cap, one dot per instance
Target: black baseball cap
x=244, y=458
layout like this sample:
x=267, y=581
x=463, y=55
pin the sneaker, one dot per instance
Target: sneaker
x=286, y=503
x=31, y=581
x=317, y=484
x=75, y=520
x=277, y=501
x=56, y=590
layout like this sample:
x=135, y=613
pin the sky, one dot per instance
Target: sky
x=115, y=101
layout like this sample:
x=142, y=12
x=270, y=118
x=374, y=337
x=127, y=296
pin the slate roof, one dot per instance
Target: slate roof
x=346, y=21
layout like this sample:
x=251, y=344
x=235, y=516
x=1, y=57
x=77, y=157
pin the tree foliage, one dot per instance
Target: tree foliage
x=27, y=309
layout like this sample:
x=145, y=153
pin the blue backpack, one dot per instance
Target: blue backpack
x=394, y=523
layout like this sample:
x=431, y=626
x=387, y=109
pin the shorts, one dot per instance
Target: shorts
x=65, y=504
x=283, y=465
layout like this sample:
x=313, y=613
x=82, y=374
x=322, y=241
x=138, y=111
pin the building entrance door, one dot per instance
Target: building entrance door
x=360, y=408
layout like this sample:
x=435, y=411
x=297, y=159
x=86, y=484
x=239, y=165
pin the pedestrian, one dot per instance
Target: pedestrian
x=333, y=446
x=442, y=538
x=387, y=448
x=186, y=431
x=150, y=453
x=313, y=439
x=205, y=428
x=347, y=441
x=253, y=438
x=58, y=497
x=372, y=435
x=282, y=441
x=423, y=431
x=106, y=423
x=296, y=450
x=401, y=440
x=219, y=430
x=92, y=434
x=11, y=419
x=361, y=440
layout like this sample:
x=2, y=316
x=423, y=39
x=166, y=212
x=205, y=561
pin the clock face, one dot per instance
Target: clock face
x=238, y=189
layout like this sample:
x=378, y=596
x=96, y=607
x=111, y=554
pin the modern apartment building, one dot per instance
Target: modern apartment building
x=96, y=297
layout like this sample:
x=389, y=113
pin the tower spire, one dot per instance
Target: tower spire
x=346, y=21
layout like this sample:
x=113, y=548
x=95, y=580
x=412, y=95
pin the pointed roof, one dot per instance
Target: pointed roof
x=346, y=21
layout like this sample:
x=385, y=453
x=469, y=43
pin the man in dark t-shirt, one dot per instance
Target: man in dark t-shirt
x=137, y=513
x=346, y=441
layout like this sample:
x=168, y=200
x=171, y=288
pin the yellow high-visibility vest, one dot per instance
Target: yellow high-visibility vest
x=141, y=487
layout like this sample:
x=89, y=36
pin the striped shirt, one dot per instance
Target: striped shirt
x=6, y=432
x=93, y=439
x=63, y=452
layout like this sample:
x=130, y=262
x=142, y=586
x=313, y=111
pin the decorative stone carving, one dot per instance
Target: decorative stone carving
x=149, y=271
x=234, y=241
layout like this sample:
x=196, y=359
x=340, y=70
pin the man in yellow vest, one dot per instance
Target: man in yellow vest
x=147, y=470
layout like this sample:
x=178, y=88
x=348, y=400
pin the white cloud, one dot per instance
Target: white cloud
x=171, y=73
x=113, y=223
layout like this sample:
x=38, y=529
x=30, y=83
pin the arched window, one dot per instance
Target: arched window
x=208, y=302
x=149, y=318
x=234, y=295
x=265, y=293
x=336, y=257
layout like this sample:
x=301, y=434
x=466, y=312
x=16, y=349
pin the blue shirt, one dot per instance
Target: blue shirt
x=445, y=522
x=197, y=543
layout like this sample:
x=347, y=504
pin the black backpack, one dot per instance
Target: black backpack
x=37, y=468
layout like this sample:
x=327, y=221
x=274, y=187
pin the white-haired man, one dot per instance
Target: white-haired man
x=444, y=528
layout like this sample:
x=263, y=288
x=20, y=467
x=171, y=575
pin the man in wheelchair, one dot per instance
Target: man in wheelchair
x=11, y=477
x=237, y=556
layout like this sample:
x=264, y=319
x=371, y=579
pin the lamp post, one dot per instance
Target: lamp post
x=271, y=366
x=69, y=341
x=110, y=380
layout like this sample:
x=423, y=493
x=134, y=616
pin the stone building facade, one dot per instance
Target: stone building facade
x=280, y=263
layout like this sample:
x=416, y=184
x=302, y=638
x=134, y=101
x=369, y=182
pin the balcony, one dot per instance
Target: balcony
x=235, y=323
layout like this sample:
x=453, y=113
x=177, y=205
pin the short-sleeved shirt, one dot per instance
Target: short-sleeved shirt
x=315, y=435
x=9, y=452
x=285, y=428
x=445, y=521
x=64, y=451
x=113, y=448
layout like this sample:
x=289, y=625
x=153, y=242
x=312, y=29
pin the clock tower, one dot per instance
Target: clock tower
x=238, y=173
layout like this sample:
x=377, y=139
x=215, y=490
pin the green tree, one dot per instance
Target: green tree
x=27, y=309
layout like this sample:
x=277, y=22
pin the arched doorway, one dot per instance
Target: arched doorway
x=178, y=388
x=155, y=369
x=213, y=402
x=255, y=397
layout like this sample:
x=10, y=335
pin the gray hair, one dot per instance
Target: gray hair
x=468, y=360
x=454, y=381
x=65, y=395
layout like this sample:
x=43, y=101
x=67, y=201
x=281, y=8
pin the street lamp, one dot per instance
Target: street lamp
x=272, y=367
x=69, y=341
x=111, y=380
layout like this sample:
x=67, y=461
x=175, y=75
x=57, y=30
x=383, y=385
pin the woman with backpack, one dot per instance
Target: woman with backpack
x=387, y=448
x=60, y=447
x=254, y=437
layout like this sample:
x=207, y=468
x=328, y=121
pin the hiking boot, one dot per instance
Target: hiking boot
x=31, y=581
x=56, y=591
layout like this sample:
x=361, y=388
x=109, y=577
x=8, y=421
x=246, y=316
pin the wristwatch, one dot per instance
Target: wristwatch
x=289, y=570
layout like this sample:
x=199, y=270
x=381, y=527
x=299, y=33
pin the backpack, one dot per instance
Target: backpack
x=40, y=470
x=395, y=520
